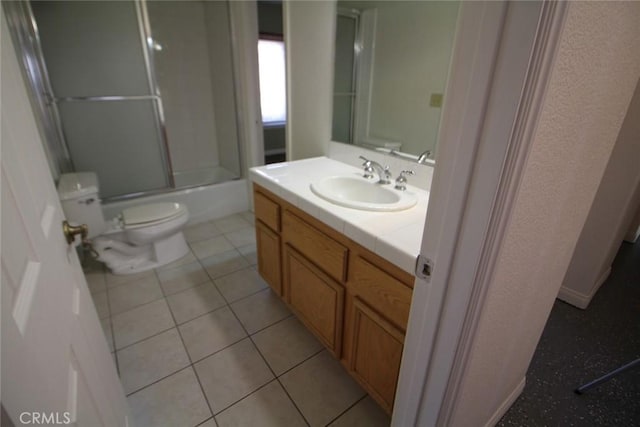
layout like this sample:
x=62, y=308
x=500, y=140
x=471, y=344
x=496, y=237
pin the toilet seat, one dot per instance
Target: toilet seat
x=151, y=214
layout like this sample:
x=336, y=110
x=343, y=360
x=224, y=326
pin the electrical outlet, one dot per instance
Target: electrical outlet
x=436, y=100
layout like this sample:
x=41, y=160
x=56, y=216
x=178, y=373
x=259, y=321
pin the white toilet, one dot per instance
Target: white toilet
x=138, y=239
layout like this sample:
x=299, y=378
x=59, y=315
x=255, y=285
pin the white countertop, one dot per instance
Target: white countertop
x=395, y=236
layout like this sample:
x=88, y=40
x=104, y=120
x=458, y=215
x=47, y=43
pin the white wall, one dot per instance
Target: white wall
x=413, y=44
x=588, y=94
x=309, y=40
x=611, y=214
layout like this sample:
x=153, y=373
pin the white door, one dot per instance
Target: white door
x=56, y=366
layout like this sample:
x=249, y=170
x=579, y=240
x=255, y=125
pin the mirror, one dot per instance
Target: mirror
x=391, y=68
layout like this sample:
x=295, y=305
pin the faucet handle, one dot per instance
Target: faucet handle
x=368, y=169
x=401, y=180
x=387, y=172
x=368, y=172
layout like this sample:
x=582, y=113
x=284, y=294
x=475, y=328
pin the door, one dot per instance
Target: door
x=56, y=366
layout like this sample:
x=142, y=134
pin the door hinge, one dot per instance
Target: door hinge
x=424, y=268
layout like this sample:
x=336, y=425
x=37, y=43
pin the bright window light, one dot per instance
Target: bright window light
x=272, y=81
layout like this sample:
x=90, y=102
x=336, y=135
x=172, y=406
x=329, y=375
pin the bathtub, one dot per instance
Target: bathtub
x=204, y=203
x=204, y=176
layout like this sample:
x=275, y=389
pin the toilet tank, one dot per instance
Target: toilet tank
x=78, y=193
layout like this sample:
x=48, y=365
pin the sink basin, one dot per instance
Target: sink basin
x=358, y=193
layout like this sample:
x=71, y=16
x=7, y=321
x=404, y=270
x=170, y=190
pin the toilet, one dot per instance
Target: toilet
x=140, y=238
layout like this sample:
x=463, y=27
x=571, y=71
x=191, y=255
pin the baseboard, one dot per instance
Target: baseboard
x=578, y=299
x=504, y=407
x=632, y=237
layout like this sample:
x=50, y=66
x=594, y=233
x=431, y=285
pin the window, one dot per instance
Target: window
x=273, y=99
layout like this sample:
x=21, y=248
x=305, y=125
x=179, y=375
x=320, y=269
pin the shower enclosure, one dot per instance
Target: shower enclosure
x=140, y=92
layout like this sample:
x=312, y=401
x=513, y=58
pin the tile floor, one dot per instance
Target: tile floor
x=204, y=342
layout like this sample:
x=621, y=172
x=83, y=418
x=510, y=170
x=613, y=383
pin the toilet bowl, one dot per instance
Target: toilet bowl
x=140, y=238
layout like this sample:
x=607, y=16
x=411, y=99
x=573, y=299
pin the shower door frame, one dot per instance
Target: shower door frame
x=25, y=35
x=357, y=49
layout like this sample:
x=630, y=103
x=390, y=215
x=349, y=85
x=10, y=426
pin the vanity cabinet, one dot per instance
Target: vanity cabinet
x=269, y=260
x=317, y=299
x=355, y=302
x=376, y=350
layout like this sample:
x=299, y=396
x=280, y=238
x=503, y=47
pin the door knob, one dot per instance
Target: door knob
x=70, y=231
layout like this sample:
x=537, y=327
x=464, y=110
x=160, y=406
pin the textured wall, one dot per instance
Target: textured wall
x=591, y=86
x=611, y=214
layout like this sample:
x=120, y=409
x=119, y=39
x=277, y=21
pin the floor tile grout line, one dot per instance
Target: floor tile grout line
x=169, y=306
x=248, y=295
x=247, y=336
x=204, y=393
x=295, y=405
x=235, y=342
x=244, y=267
x=146, y=338
x=273, y=324
x=347, y=410
x=204, y=282
x=208, y=419
x=279, y=382
x=184, y=347
x=157, y=381
x=113, y=332
x=265, y=327
x=222, y=294
x=302, y=361
x=245, y=397
x=194, y=362
x=226, y=239
x=138, y=306
x=275, y=377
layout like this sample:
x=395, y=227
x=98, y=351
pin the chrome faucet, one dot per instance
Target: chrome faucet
x=370, y=166
x=401, y=180
x=424, y=156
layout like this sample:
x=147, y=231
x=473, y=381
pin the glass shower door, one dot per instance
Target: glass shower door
x=109, y=112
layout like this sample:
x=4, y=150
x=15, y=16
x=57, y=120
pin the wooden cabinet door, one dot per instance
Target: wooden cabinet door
x=376, y=350
x=317, y=299
x=268, y=249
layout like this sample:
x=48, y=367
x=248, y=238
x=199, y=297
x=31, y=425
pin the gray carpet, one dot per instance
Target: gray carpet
x=578, y=346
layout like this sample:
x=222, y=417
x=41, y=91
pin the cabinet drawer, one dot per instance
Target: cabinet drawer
x=379, y=289
x=268, y=249
x=266, y=210
x=316, y=298
x=325, y=252
x=376, y=353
